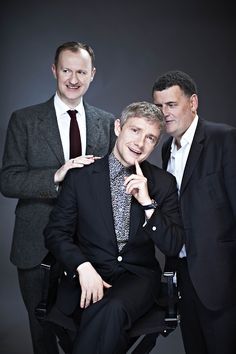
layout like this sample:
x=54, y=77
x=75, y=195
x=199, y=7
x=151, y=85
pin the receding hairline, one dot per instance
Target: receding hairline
x=74, y=47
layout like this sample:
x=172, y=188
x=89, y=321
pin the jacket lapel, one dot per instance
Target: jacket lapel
x=49, y=129
x=166, y=153
x=100, y=183
x=92, y=128
x=137, y=215
x=194, y=154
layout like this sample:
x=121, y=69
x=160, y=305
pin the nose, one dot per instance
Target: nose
x=140, y=141
x=73, y=78
x=165, y=110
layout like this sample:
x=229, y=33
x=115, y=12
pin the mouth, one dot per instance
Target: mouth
x=169, y=121
x=136, y=152
x=73, y=87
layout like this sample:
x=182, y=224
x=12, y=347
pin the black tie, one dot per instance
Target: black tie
x=75, y=141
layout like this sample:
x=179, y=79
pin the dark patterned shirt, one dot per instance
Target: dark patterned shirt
x=121, y=201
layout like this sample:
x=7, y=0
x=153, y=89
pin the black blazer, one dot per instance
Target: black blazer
x=85, y=203
x=208, y=207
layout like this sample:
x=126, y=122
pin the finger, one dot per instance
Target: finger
x=138, y=169
x=100, y=293
x=88, y=298
x=132, y=183
x=85, y=160
x=95, y=297
x=88, y=161
x=132, y=190
x=82, y=299
x=130, y=178
x=77, y=165
x=88, y=156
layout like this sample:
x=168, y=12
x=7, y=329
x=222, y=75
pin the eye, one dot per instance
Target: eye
x=152, y=139
x=82, y=72
x=172, y=104
x=135, y=130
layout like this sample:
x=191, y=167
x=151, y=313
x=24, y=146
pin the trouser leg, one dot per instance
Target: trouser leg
x=103, y=327
x=31, y=285
x=204, y=331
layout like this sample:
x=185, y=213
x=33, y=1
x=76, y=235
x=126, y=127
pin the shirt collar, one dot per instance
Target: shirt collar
x=61, y=108
x=116, y=167
x=188, y=136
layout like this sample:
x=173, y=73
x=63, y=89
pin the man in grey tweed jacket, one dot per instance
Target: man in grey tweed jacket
x=36, y=160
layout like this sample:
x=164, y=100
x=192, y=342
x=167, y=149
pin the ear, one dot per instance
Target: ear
x=93, y=74
x=194, y=103
x=117, y=127
x=54, y=71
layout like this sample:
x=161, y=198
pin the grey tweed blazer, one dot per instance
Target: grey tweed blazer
x=33, y=152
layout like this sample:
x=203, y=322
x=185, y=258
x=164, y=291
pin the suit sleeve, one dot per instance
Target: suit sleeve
x=112, y=134
x=229, y=167
x=19, y=178
x=165, y=226
x=60, y=231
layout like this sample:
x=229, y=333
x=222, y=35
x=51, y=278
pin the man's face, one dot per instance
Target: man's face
x=74, y=72
x=178, y=109
x=136, y=139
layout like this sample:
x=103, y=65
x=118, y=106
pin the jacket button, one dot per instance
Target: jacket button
x=119, y=258
x=154, y=228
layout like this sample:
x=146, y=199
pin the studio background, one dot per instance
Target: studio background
x=134, y=42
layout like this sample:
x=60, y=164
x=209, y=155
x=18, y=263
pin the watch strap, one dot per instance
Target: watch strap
x=153, y=205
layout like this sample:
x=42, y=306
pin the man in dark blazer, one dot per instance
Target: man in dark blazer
x=201, y=156
x=121, y=207
x=36, y=160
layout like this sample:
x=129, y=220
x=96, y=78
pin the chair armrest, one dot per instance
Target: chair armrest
x=51, y=275
x=171, y=297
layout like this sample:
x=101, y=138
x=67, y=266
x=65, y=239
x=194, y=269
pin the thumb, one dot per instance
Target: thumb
x=106, y=285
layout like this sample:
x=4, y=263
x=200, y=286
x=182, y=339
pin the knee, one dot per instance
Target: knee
x=116, y=308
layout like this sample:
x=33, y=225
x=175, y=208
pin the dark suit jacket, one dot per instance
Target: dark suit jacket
x=85, y=203
x=208, y=207
x=33, y=153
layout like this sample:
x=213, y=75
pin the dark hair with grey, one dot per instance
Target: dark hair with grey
x=74, y=47
x=143, y=109
x=176, y=78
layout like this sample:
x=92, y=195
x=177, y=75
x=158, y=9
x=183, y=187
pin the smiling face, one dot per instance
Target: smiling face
x=179, y=109
x=74, y=73
x=136, y=139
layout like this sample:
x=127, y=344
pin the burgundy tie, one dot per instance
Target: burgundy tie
x=75, y=141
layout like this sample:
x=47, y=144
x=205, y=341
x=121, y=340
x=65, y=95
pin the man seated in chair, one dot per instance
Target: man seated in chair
x=104, y=228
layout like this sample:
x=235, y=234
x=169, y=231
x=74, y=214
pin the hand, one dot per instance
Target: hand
x=91, y=283
x=77, y=162
x=136, y=184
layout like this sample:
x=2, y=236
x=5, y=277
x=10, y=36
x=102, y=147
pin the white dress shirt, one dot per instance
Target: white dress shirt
x=178, y=159
x=63, y=121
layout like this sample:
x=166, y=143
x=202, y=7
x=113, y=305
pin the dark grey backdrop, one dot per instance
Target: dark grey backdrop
x=134, y=43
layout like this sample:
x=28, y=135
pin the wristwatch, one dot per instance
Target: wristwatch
x=153, y=205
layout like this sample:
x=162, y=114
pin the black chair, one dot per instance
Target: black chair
x=161, y=319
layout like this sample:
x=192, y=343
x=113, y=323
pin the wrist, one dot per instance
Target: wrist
x=152, y=205
x=83, y=266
